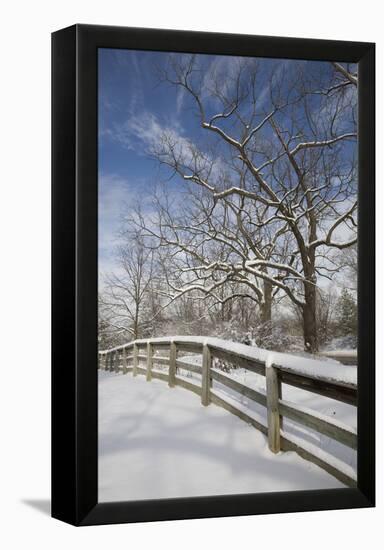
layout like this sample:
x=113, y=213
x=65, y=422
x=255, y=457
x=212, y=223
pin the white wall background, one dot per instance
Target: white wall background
x=25, y=272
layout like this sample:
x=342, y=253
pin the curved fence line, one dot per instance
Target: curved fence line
x=328, y=379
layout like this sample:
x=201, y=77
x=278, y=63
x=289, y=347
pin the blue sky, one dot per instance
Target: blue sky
x=134, y=109
x=132, y=105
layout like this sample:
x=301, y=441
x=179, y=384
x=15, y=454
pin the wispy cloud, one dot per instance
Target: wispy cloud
x=143, y=131
x=277, y=70
x=223, y=69
x=117, y=197
x=140, y=129
x=115, y=193
x=180, y=100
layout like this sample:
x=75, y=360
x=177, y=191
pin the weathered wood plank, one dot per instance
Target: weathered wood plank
x=345, y=357
x=187, y=366
x=117, y=364
x=125, y=366
x=112, y=362
x=187, y=385
x=160, y=345
x=160, y=375
x=141, y=346
x=172, y=365
x=320, y=387
x=149, y=361
x=205, y=382
x=342, y=433
x=273, y=415
x=135, y=359
x=240, y=388
x=324, y=461
x=237, y=412
x=161, y=360
x=189, y=346
x=238, y=360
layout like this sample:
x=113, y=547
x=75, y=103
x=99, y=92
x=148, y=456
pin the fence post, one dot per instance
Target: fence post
x=272, y=380
x=172, y=365
x=206, y=375
x=125, y=370
x=149, y=361
x=135, y=359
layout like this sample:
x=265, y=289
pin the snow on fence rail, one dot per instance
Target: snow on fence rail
x=326, y=378
x=347, y=357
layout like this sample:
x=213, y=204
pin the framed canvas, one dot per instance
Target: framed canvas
x=213, y=275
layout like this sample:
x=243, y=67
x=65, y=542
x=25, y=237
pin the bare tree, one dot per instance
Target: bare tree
x=108, y=336
x=128, y=300
x=346, y=263
x=273, y=188
x=206, y=248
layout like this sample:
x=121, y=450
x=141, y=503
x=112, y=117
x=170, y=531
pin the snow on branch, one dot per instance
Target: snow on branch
x=324, y=143
x=349, y=76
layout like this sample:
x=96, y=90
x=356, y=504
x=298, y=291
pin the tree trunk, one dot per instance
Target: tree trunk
x=136, y=325
x=309, y=319
x=266, y=305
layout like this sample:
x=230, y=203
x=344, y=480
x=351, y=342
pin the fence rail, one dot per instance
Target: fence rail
x=142, y=357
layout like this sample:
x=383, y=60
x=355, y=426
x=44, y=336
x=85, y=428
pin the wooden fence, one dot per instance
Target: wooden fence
x=142, y=356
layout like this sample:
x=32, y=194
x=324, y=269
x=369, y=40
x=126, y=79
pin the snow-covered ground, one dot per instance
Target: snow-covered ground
x=157, y=442
x=335, y=410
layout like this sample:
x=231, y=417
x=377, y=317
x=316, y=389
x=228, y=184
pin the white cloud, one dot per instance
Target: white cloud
x=180, y=96
x=114, y=193
x=223, y=68
x=140, y=129
x=144, y=132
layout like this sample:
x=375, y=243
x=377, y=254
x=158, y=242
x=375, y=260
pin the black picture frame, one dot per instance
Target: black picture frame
x=74, y=275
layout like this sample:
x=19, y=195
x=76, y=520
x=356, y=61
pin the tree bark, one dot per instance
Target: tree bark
x=136, y=323
x=309, y=319
x=266, y=305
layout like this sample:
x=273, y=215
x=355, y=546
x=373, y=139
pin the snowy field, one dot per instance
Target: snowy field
x=157, y=442
x=335, y=410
